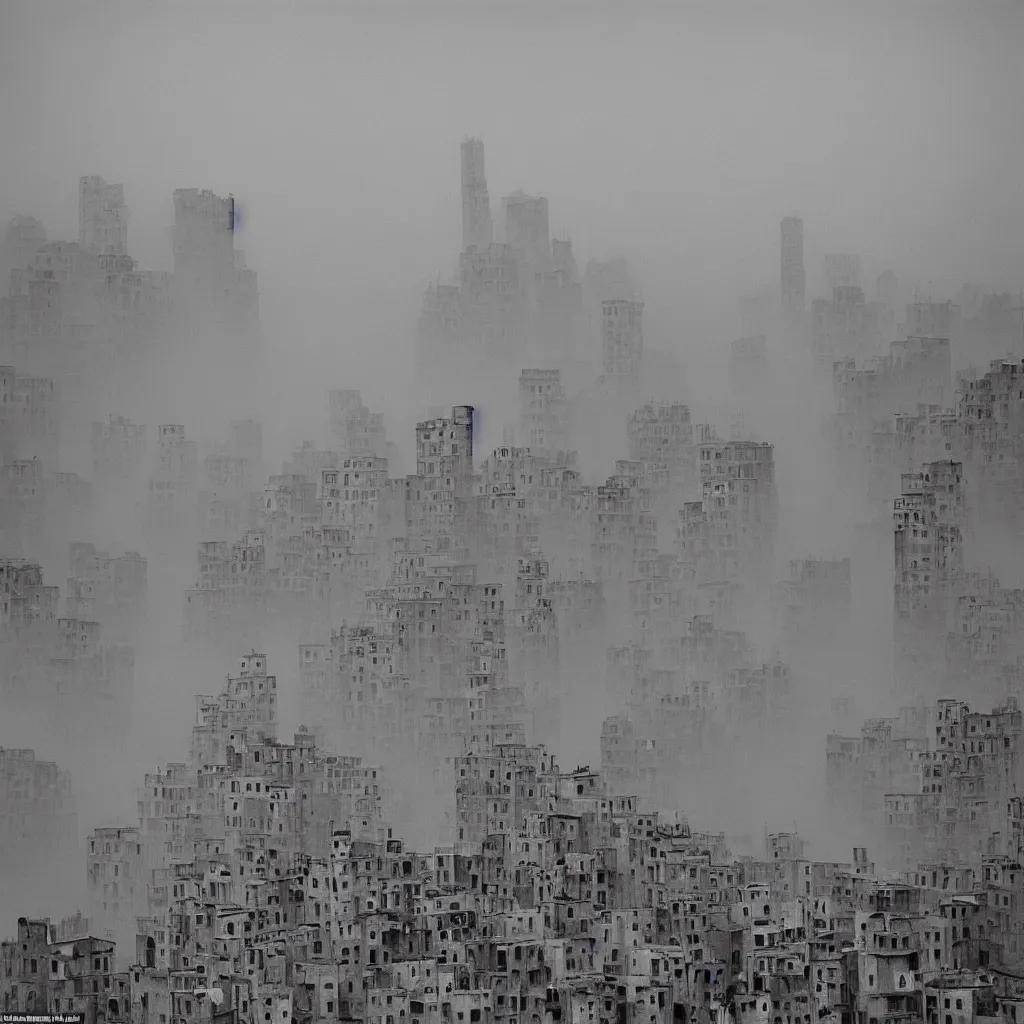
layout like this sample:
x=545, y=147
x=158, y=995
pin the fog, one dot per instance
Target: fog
x=673, y=138
x=678, y=137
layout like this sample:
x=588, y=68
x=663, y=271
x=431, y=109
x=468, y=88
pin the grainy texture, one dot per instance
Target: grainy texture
x=607, y=614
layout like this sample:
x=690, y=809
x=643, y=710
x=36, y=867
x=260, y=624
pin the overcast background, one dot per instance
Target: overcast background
x=675, y=133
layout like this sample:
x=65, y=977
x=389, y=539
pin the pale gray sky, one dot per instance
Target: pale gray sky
x=678, y=133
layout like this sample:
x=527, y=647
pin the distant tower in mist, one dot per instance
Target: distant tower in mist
x=477, y=226
x=102, y=217
x=887, y=289
x=526, y=227
x=792, y=267
x=622, y=336
x=204, y=240
x=841, y=270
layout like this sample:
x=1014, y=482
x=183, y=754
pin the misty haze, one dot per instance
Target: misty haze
x=511, y=513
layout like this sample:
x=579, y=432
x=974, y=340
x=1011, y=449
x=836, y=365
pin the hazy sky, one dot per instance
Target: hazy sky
x=677, y=133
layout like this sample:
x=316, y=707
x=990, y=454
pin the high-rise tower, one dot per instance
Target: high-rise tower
x=102, y=217
x=928, y=520
x=526, y=228
x=204, y=241
x=792, y=265
x=622, y=335
x=477, y=226
x=210, y=274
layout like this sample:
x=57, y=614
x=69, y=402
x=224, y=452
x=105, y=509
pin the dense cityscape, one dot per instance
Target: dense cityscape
x=400, y=646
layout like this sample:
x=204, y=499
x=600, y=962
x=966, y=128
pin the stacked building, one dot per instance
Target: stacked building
x=990, y=417
x=306, y=543
x=102, y=217
x=731, y=530
x=275, y=892
x=210, y=276
x=985, y=638
x=436, y=494
x=622, y=340
x=29, y=425
x=52, y=970
x=28, y=604
x=353, y=429
x=928, y=521
x=660, y=434
x=542, y=411
x=228, y=479
x=913, y=382
x=846, y=325
x=172, y=488
x=940, y=782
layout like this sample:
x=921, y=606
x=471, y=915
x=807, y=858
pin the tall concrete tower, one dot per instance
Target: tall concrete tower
x=526, y=228
x=622, y=335
x=102, y=217
x=204, y=241
x=477, y=226
x=792, y=265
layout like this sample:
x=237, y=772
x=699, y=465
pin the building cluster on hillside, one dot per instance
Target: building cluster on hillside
x=949, y=465
x=263, y=879
x=942, y=782
x=951, y=622
x=990, y=418
x=891, y=412
x=434, y=620
x=557, y=899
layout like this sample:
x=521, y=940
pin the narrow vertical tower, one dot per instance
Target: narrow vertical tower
x=622, y=335
x=102, y=217
x=792, y=266
x=477, y=226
